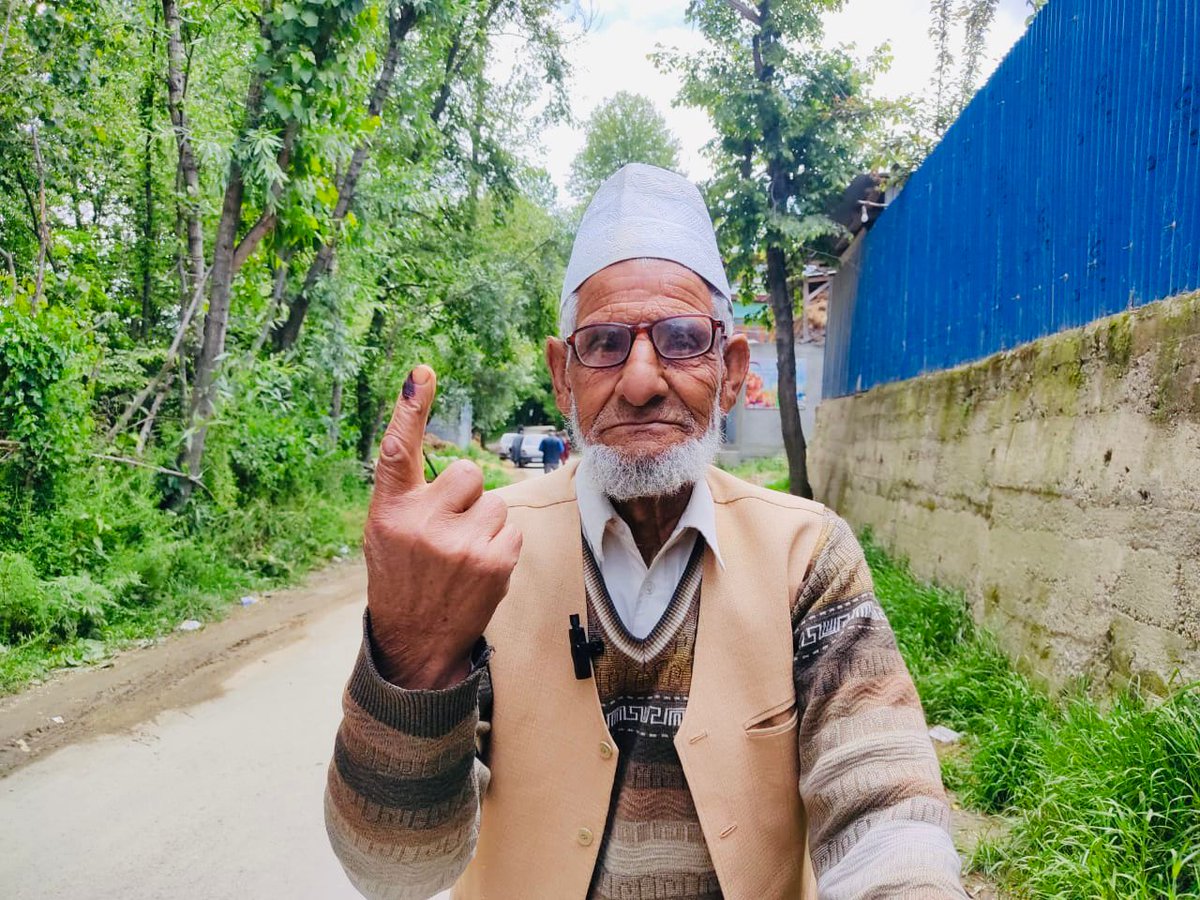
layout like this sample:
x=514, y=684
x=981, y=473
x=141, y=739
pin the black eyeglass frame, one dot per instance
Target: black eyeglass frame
x=647, y=328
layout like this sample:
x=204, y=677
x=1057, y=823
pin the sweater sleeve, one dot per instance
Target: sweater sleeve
x=878, y=818
x=404, y=786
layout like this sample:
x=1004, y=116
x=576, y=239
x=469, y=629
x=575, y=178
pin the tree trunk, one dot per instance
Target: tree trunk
x=335, y=412
x=146, y=250
x=367, y=405
x=288, y=332
x=43, y=226
x=785, y=350
x=220, y=287
x=189, y=169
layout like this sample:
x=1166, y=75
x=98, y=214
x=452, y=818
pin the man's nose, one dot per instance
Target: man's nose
x=642, y=376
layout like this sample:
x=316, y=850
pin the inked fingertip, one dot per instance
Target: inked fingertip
x=410, y=387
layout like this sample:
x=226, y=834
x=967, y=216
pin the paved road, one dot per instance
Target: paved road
x=219, y=800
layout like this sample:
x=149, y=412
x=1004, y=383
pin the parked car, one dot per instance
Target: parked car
x=531, y=451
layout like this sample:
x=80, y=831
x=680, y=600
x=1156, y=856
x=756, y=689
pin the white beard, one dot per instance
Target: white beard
x=623, y=476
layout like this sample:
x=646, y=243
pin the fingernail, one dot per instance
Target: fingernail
x=409, y=388
x=421, y=374
x=390, y=447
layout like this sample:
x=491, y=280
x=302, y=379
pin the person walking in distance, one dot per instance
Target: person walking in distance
x=552, y=449
x=638, y=676
x=517, y=446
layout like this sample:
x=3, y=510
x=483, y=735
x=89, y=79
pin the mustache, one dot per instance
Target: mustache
x=623, y=413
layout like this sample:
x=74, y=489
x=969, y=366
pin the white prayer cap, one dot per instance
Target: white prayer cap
x=645, y=211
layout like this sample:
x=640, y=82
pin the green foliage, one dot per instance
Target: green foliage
x=44, y=420
x=447, y=250
x=108, y=564
x=1105, y=802
x=626, y=128
x=494, y=475
x=795, y=123
x=22, y=598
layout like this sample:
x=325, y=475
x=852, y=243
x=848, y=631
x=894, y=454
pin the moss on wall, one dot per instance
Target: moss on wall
x=1056, y=483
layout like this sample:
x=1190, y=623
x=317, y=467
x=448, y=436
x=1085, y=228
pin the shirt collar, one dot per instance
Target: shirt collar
x=596, y=511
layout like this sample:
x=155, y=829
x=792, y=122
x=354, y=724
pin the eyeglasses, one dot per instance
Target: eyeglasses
x=607, y=344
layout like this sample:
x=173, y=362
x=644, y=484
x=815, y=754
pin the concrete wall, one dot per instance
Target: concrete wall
x=752, y=433
x=1058, y=484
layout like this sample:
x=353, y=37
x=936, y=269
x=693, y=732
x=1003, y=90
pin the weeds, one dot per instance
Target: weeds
x=107, y=566
x=1105, y=802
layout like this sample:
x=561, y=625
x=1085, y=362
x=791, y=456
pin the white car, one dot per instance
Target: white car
x=531, y=450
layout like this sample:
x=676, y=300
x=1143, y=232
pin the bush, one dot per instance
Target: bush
x=43, y=402
x=77, y=606
x=22, y=599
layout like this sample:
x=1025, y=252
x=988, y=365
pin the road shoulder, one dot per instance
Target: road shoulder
x=175, y=671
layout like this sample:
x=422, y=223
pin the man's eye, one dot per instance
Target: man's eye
x=599, y=340
x=682, y=339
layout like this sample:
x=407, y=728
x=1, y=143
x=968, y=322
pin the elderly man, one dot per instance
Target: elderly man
x=735, y=721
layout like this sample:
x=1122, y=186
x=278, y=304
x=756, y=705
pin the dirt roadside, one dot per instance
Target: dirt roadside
x=177, y=671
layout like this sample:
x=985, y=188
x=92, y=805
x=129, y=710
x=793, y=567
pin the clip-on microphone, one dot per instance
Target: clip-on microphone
x=582, y=650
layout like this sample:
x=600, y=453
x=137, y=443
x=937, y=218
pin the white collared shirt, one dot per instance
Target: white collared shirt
x=641, y=593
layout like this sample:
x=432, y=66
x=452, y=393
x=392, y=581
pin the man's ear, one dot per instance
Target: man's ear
x=556, y=360
x=737, y=364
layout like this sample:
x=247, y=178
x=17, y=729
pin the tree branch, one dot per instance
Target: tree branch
x=12, y=270
x=745, y=10
x=137, y=463
x=7, y=22
x=184, y=321
x=43, y=227
x=249, y=242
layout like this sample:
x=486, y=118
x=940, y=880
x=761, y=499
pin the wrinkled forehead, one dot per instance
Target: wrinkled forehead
x=642, y=290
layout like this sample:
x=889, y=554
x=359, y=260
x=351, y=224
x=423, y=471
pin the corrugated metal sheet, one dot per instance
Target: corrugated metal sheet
x=1069, y=189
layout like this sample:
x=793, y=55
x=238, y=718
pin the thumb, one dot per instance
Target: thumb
x=401, y=465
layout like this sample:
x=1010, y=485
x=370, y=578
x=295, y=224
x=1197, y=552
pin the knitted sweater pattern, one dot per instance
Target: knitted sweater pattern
x=653, y=845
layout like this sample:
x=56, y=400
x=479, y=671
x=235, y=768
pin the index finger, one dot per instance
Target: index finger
x=401, y=465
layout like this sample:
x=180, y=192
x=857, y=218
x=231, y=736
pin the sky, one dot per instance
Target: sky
x=612, y=56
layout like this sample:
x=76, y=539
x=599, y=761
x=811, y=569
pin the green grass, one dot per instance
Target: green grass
x=494, y=475
x=769, y=471
x=1104, y=800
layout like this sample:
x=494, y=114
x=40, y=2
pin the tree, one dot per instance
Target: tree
x=626, y=128
x=171, y=173
x=794, y=125
x=462, y=38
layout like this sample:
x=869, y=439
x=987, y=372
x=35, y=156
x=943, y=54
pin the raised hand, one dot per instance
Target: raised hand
x=439, y=555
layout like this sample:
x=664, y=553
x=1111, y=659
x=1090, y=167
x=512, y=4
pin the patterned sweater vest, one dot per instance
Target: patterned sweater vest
x=653, y=845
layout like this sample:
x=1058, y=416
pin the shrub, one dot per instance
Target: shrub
x=23, y=608
x=76, y=606
x=43, y=401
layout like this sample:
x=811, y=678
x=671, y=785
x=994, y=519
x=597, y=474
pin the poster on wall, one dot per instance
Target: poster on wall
x=762, y=385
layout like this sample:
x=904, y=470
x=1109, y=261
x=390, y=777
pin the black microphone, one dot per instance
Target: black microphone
x=582, y=650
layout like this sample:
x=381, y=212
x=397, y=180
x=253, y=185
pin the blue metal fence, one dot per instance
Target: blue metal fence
x=1069, y=189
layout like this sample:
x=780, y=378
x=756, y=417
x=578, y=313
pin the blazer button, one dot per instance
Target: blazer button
x=584, y=836
x=606, y=750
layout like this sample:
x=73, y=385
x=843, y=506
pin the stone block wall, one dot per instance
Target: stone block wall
x=1057, y=484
